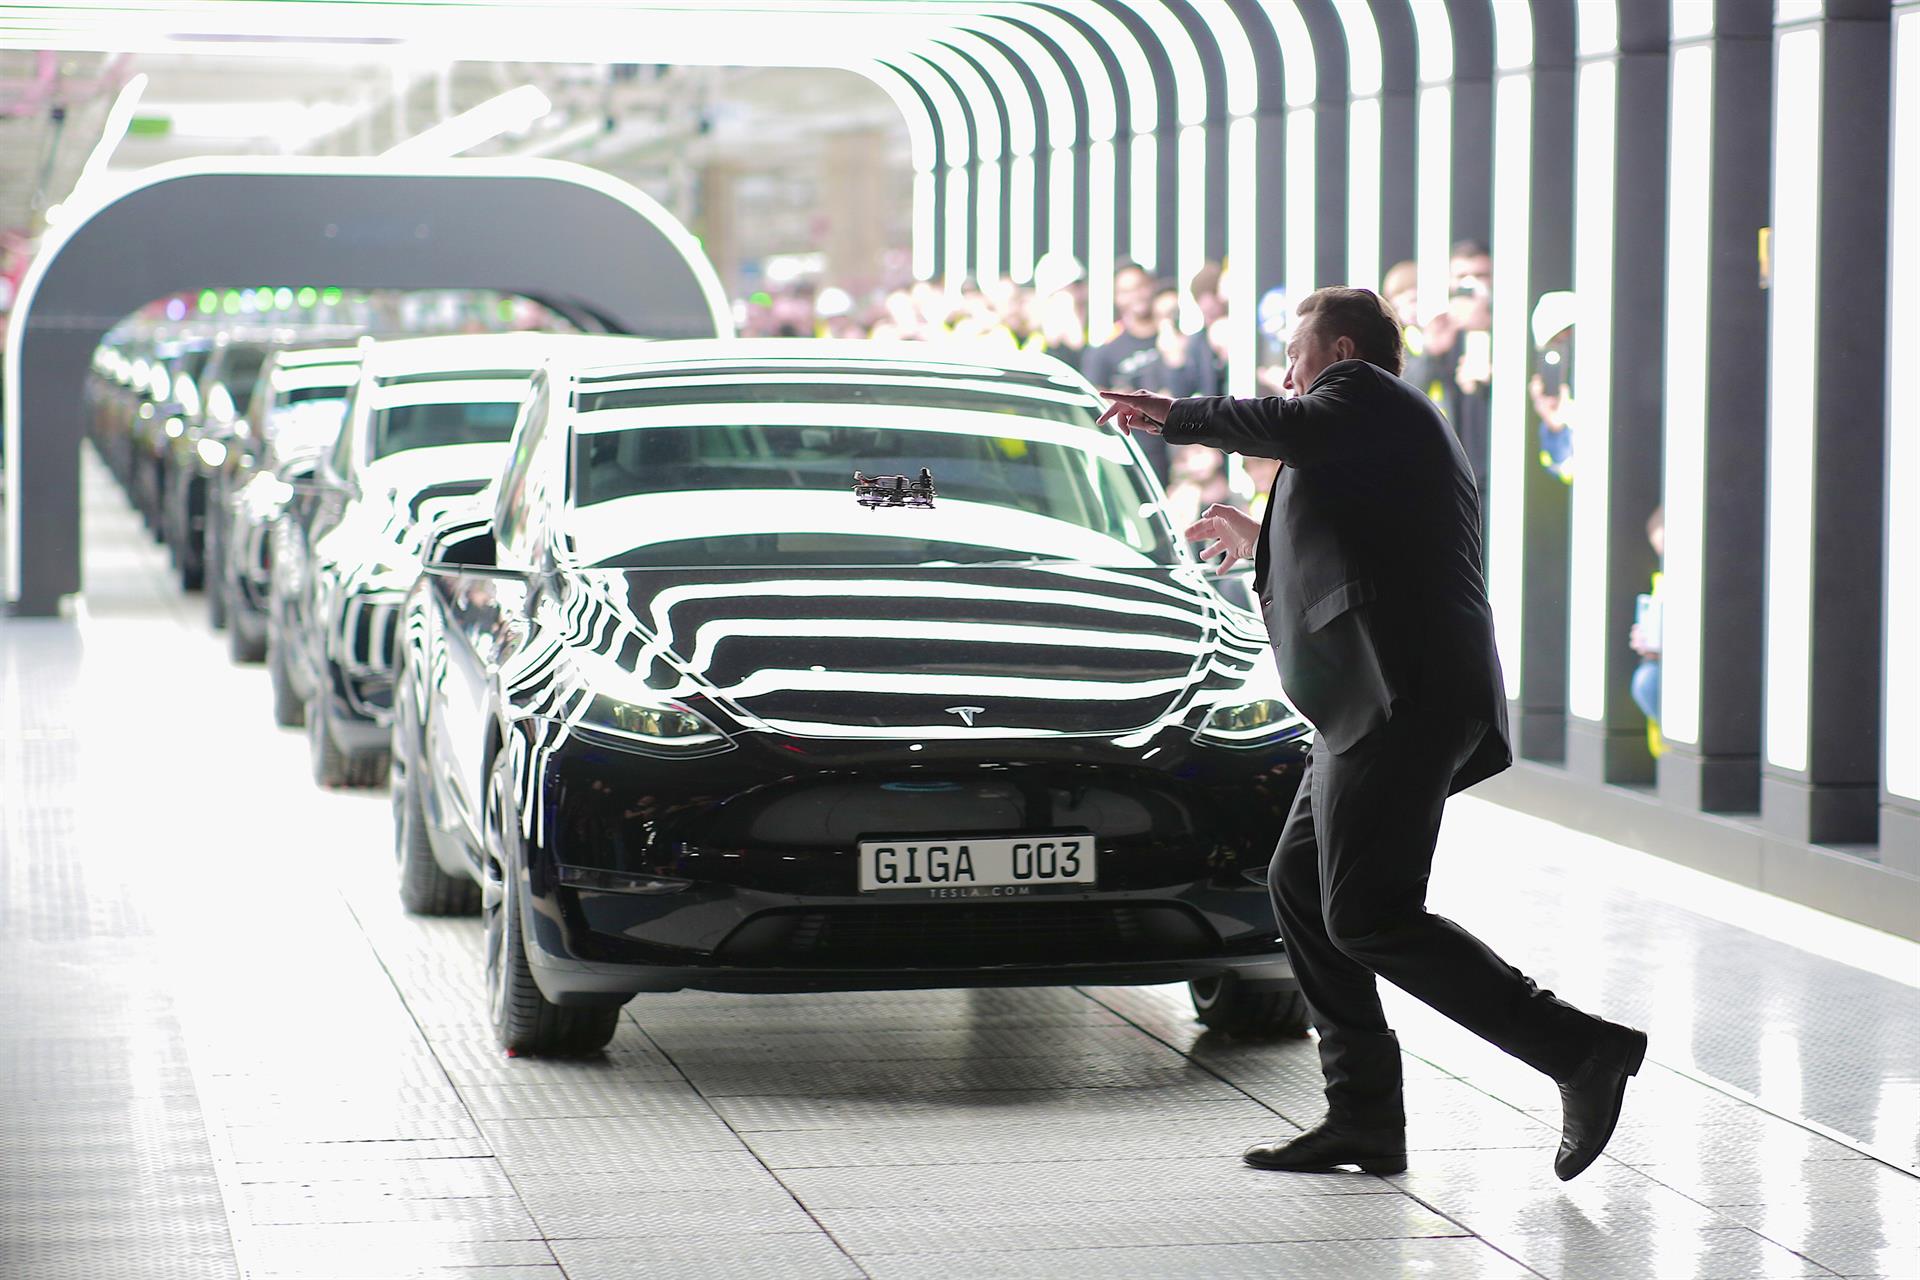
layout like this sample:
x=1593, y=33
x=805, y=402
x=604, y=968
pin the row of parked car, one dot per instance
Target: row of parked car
x=671, y=702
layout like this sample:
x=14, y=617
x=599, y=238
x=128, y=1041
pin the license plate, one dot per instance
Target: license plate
x=970, y=868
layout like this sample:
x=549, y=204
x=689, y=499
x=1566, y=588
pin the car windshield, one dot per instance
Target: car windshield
x=722, y=478
x=431, y=423
x=306, y=421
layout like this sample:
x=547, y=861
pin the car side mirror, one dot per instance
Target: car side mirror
x=465, y=549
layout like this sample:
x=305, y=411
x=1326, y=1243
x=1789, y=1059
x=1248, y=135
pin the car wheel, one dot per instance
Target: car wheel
x=289, y=708
x=1229, y=1005
x=242, y=645
x=333, y=767
x=425, y=889
x=216, y=601
x=524, y=1021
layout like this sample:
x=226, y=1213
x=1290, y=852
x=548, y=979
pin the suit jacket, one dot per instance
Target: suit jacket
x=1368, y=565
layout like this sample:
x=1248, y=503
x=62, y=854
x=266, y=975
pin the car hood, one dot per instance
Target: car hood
x=992, y=652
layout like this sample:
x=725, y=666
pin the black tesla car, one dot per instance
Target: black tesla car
x=681, y=705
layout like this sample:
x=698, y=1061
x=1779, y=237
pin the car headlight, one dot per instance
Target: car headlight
x=660, y=725
x=1251, y=724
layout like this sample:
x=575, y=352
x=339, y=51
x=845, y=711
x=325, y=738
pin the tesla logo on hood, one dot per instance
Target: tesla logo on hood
x=966, y=713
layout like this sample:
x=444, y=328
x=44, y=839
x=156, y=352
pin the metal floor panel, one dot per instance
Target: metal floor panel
x=230, y=1052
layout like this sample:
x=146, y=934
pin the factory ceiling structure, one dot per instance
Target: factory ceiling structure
x=1626, y=150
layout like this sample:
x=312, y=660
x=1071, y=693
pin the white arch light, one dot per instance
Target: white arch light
x=988, y=145
x=1365, y=83
x=1022, y=137
x=1302, y=90
x=1433, y=183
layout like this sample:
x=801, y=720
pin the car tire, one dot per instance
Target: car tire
x=333, y=767
x=524, y=1021
x=242, y=646
x=1229, y=1005
x=289, y=708
x=425, y=889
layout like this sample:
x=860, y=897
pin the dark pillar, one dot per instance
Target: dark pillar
x=1900, y=726
x=1606, y=733
x=1472, y=192
x=1399, y=115
x=1713, y=753
x=1821, y=779
x=1330, y=149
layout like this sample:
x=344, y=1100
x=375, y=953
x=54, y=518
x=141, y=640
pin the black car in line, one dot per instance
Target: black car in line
x=676, y=709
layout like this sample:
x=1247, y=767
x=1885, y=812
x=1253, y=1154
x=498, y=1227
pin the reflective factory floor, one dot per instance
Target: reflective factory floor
x=224, y=1050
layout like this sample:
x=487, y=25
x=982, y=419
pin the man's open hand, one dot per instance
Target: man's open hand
x=1137, y=410
x=1234, y=534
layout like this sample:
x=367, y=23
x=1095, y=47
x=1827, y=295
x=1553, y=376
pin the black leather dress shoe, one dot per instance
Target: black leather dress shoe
x=1331, y=1144
x=1590, y=1098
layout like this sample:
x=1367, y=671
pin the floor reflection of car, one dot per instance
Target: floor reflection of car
x=298, y=405
x=427, y=423
x=678, y=711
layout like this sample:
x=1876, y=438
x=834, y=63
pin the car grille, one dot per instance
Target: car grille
x=371, y=622
x=961, y=935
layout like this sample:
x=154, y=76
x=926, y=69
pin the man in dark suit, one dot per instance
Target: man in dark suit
x=1368, y=571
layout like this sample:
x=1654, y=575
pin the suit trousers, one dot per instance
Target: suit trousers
x=1349, y=887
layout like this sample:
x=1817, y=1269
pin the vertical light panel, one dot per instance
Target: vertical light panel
x=1060, y=185
x=1684, y=465
x=957, y=209
x=1792, y=334
x=1243, y=288
x=1363, y=193
x=1100, y=234
x=1588, y=640
x=1020, y=198
x=1433, y=196
x=1191, y=234
x=987, y=266
x=1512, y=345
x=1299, y=204
x=923, y=225
x=1903, y=421
x=1145, y=231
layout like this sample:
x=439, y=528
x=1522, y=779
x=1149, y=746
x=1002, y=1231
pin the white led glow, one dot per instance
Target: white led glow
x=1589, y=639
x=1512, y=345
x=1299, y=212
x=1100, y=234
x=1022, y=133
x=1363, y=193
x=923, y=144
x=1785, y=11
x=119, y=116
x=1690, y=22
x=957, y=265
x=1433, y=40
x=987, y=265
x=1020, y=227
x=1599, y=26
x=1183, y=56
x=1433, y=196
x=1684, y=468
x=1791, y=342
x=1191, y=235
x=924, y=225
x=1060, y=188
x=1237, y=61
x=1301, y=71
x=511, y=112
x=1242, y=288
x=1512, y=35
x=1903, y=423
x=1144, y=247
x=1104, y=97
x=1364, y=76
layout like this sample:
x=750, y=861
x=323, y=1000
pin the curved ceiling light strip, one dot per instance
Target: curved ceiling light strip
x=1190, y=107
x=1302, y=89
x=1244, y=214
x=923, y=140
x=1023, y=140
x=1013, y=250
x=1365, y=84
x=1509, y=456
x=1103, y=97
x=1142, y=99
x=956, y=137
x=983, y=107
x=1433, y=182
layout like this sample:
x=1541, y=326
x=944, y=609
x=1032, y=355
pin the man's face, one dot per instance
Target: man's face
x=1133, y=294
x=1308, y=355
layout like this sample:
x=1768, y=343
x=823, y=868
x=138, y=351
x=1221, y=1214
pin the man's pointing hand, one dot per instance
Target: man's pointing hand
x=1137, y=410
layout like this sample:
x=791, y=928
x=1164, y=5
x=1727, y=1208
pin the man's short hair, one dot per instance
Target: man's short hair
x=1468, y=249
x=1359, y=314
